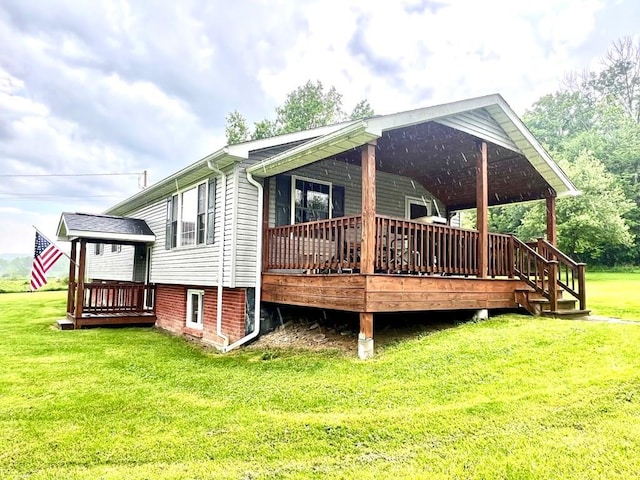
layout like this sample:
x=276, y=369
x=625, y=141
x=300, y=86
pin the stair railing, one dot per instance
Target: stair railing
x=537, y=271
x=570, y=275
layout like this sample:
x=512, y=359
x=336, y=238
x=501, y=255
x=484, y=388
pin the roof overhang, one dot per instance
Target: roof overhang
x=67, y=231
x=351, y=136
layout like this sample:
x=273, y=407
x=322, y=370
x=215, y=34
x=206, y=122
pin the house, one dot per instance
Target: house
x=358, y=216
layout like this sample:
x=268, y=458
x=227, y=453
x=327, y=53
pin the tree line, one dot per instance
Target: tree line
x=590, y=126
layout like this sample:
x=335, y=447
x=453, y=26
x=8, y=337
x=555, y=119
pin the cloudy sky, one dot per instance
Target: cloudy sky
x=117, y=86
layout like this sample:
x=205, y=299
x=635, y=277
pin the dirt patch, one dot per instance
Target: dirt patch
x=320, y=330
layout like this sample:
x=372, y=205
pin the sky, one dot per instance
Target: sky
x=99, y=88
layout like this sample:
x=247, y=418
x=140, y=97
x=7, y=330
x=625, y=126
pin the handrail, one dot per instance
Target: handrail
x=536, y=271
x=570, y=274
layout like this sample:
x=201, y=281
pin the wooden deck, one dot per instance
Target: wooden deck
x=111, y=303
x=377, y=293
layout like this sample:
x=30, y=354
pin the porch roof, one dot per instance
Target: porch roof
x=437, y=146
x=104, y=228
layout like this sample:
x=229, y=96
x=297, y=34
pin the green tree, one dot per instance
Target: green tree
x=308, y=106
x=236, y=128
x=591, y=225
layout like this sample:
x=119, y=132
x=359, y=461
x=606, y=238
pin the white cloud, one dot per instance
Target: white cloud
x=126, y=86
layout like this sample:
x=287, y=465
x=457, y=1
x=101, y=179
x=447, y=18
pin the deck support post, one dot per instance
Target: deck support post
x=368, y=245
x=72, y=277
x=365, y=338
x=80, y=281
x=552, y=235
x=482, y=208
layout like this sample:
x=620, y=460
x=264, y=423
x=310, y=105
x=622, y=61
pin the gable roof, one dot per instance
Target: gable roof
x=104, y=228
x=500, y=126
x=488, y=117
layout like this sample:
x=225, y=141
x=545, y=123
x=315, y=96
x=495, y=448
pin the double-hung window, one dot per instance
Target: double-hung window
x=195, y=305
x=190, y=216
x=311, y=200
x=416, y=207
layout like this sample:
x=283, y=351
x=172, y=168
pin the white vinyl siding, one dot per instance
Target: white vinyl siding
x=110, y=265
x=184, y=265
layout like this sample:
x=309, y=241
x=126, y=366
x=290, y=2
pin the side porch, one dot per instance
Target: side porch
x=108, y=302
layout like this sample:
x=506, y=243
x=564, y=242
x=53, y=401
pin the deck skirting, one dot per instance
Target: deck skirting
x=389, y=293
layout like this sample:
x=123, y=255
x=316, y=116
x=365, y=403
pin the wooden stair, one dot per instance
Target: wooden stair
x=538, y=305
x=555, y=282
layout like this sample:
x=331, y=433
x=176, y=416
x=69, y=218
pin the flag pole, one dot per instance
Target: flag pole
x=54, y=243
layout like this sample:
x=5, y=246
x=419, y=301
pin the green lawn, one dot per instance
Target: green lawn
x=514, y=397
x=16, y=285
x=614, y=294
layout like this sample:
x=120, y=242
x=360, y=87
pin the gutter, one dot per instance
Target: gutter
x=258, y=281
x=225, y=338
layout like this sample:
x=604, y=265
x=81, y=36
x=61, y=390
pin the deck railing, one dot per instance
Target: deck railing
x=324, y=245
x=118, y=298
x=569, y=274
x=404, y=246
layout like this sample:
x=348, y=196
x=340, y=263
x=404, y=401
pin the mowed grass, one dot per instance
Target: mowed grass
x=514, y=397
x=16, y=285
x=614, y=294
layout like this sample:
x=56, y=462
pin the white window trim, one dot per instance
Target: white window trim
x=423, y=201
x=179, y=222
x=199, y=325
x=294, y=178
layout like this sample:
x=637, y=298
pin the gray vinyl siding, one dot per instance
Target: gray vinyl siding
x=117, y=266
x=391, y=190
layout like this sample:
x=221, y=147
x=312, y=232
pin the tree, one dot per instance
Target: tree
x=236, y=128
x=362, y=110
x=591, y=225
x=308, y=106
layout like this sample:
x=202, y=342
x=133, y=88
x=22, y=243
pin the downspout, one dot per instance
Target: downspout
x=258, y=282
x=225, y=339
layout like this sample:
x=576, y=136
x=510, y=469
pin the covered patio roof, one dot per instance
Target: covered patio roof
x=437, y=147
x=104, y=229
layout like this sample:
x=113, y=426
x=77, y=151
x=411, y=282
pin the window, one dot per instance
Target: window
x=99, y=248
x=116, y=248
x=189, y=215
x=311, y=200
x=416, y=207
x=211, y=207
x=171, y=239
x=195, y=304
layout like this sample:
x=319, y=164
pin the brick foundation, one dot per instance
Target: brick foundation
x=171, y=312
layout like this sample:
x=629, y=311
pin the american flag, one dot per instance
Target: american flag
x=44, y=257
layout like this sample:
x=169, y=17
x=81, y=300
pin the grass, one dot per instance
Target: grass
x=614, y=294
x=16, y=285
x=513, y=398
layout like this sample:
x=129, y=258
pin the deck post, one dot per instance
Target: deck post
x=552, y=235
x=482, y=208
x=80, y=280
x=368, y=245
x=365, y=338
x=72, y=277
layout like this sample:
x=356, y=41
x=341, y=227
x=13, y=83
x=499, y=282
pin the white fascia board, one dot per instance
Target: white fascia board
x=421, y=115
x=242, y=149
x=221, y=159
x=125, y=237
x=61, y=232
x=354, y=134
x=564, y=181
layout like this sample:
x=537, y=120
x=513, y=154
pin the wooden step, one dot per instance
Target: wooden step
x=64, y=324
x=563, y=303
x=575, y=313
